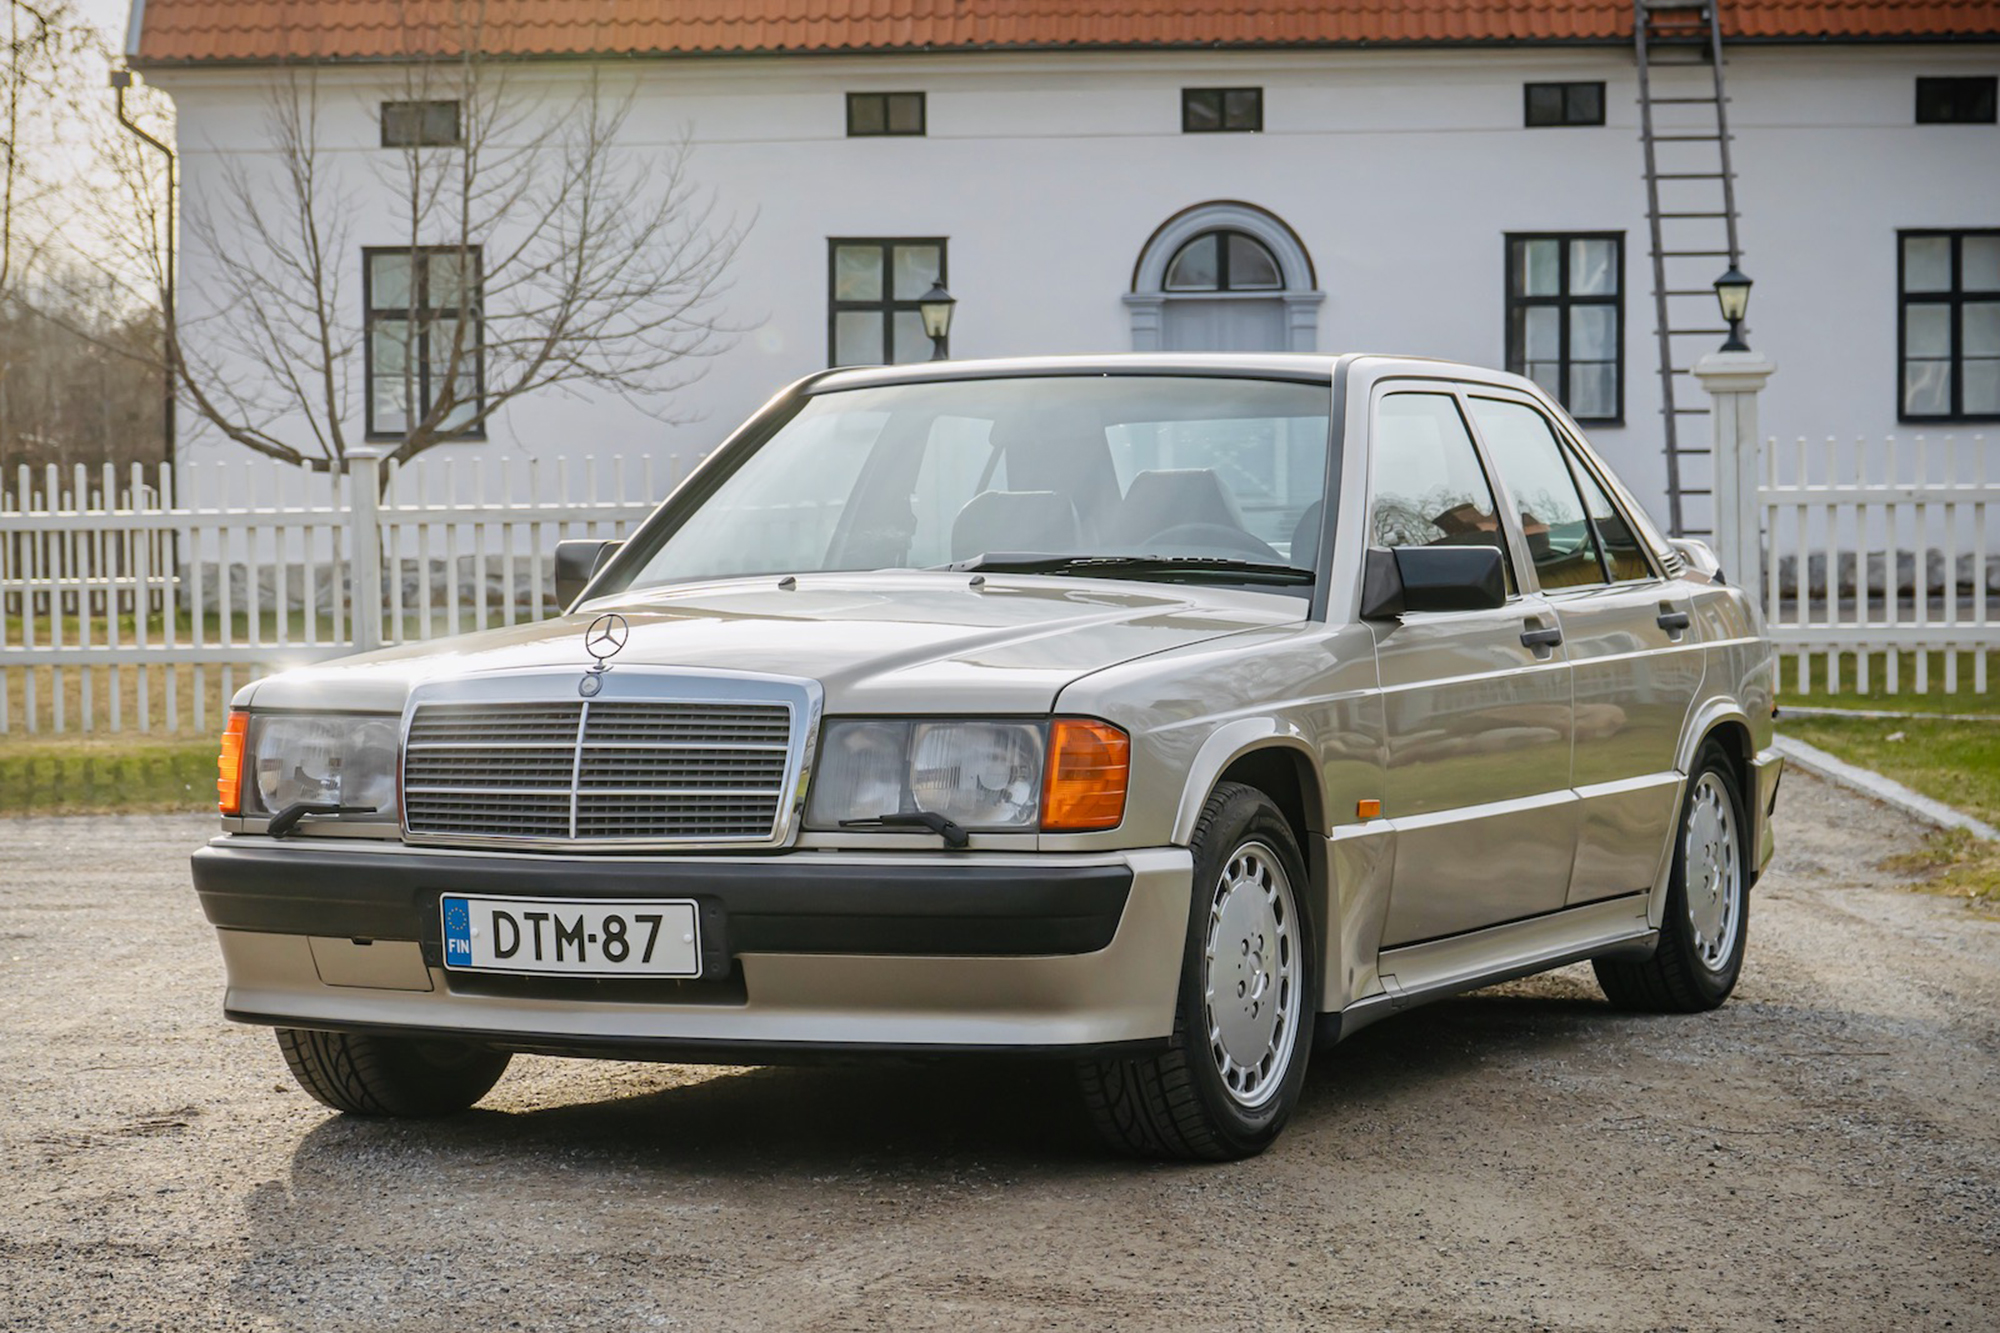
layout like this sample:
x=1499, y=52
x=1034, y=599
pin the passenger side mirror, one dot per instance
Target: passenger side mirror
x=1431, y=578
x=577, y=563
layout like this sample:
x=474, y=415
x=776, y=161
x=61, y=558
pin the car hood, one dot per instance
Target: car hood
x=877, y=643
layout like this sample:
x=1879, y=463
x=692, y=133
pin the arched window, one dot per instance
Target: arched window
x=1224, y=261
x=1224, y=276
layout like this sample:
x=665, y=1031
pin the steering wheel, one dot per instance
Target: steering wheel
x=1209, y=538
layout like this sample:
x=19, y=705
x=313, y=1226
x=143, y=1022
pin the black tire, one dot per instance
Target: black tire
x=396, y=1076
x=1176, y=1103
x=1681, y=977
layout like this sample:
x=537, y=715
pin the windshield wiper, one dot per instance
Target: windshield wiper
x=948, y=829
x=1226, y=568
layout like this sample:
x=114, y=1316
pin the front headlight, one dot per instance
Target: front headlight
x=1066, y=775
x=325, y=759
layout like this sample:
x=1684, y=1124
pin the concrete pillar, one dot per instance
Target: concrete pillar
x=1733, y=381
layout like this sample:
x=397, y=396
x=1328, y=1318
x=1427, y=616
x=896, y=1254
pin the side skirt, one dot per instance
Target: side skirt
x=1418, y=973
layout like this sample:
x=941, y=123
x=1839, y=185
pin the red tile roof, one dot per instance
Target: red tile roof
x=191, y=31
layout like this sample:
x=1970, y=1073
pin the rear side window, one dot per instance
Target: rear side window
x=1561, y=539
x=1428, y=488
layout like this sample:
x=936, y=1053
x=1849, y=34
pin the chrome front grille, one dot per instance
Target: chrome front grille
x=626, y=771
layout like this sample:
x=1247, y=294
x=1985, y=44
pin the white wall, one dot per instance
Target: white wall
x=1400, y=171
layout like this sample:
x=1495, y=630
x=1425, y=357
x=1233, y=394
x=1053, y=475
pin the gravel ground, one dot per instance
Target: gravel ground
x=1822, y=1153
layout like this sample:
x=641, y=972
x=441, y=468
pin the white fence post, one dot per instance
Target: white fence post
x=364, y=535
x=1733, y=381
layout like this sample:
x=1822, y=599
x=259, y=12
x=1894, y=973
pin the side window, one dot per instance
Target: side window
x=1530, y=460
x=1428, y=488
x=1615, y=536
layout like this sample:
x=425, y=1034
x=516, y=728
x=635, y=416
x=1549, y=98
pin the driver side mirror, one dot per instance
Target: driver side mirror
x=1431, y=578
x=577, y=563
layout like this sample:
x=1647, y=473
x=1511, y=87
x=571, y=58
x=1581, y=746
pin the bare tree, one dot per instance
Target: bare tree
x=531, y=250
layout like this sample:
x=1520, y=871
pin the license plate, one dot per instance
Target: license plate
x=573, y=937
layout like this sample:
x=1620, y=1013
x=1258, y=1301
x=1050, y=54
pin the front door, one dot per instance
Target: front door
x=1635, y=657
x=1476, y=705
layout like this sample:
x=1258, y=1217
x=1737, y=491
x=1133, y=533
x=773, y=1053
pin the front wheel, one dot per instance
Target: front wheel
x=1707, y=922
x=1242, y=1028
x=363, y=1074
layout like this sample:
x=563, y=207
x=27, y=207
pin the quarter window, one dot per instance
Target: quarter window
x=1566, y=319
x=1562, y=541
x=870, y=115
x=875, y=286
x=1972, y=101
x=420, y=125
x=1550, y=104
x=1222, y=110
x=424, y=332
x=1428, y=488
x=1950, y=364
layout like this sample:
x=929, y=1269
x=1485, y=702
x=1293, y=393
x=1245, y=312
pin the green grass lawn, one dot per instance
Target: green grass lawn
x=1933, y=700
x=125, y=775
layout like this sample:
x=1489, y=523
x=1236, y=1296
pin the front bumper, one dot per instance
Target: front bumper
x=804, y=952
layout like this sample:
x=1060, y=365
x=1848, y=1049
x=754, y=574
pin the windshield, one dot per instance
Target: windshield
x=1135, y=475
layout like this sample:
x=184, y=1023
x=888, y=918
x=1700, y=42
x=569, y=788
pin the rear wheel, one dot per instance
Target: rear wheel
x=1707, y=922
x=1228, y=1082
x=364, y=1074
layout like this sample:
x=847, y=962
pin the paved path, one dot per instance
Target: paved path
x=1824, y=1153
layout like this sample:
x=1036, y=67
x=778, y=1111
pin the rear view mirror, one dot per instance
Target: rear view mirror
x=1431, y=578
x=577, y=563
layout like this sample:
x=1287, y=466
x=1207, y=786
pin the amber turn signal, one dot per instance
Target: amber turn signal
x=229, y=765
x=1368, y=809
x=1089, y=764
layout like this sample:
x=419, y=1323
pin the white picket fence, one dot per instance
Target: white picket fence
x=124, y=606
x=1875, y=550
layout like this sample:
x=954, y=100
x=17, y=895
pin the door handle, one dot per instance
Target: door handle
x=1674, y=621
x=1535, y=636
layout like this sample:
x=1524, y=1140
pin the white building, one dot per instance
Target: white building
x=1374, y=179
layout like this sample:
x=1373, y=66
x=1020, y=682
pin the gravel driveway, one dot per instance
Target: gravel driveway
x=1822, y=1153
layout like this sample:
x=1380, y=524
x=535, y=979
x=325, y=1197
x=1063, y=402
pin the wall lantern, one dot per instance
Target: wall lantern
x=1732, y=293
x=936, y=306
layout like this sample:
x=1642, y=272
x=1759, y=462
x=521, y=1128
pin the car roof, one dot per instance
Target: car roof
x=1316, y=368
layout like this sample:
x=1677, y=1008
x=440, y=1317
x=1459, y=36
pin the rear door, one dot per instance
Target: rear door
x=1635, y=659
x=1476, y=703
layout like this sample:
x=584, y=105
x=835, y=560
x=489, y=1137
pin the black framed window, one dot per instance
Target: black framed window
x=421, y=125
x=1948, y=325
x=1566, y=319
x=1222, y=110
x=424, y=334
x=1224, y=261
x=1961, y=101
x=874, y=285
x=1563, y=104
x=870, y=115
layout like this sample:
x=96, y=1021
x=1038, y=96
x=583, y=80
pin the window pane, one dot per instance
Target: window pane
x=1593, y=268
x=1537, y=267
x=1531, y=463
x=388, y=360
x=1927, y=263
x=453, y=277
x=1926, y=388
x=1593, y=390
x=1979, y=263
x=866, y=113
x=440, y=123
x=917, y=270
x=1585, y=103
x=1194, y=269
x=1593, y=332
x=1621, y=544
x=1428, y=488
x=1982, y=388
x=857, y=338
x=1980, y=332
x=1251, y=266
x=389, y=281
x=1543, y=329
x=912, y=344
x=906, y=113
x=1243, y=109
x=857, y=273
x=1927, y=330
x=463, y=377
x=1201, y=110
x=1545, y=104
